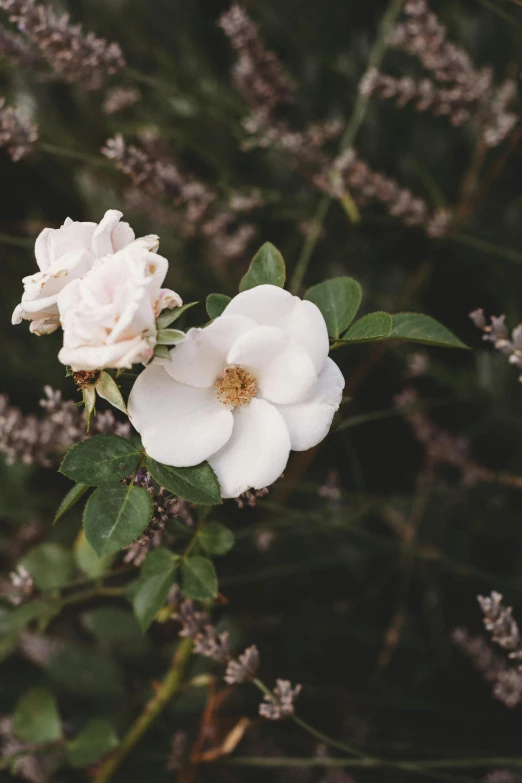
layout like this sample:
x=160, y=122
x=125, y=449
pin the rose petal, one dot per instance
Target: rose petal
x=201, y=357
x=179, y=425
x=308, y=422
x=96, y=357
x=52, y=243
x=269, y=305
x=283, y=369
x=102, y=244
x=256, y=454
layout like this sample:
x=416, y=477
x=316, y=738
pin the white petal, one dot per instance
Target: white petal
x=102, y=238
x=308, y=422
x=307, y=326
x=53, y=243
x=96, y=357
x=201, y=357
x=179, y=425
x=284, y=371
x=256, y=454
x=267, y=305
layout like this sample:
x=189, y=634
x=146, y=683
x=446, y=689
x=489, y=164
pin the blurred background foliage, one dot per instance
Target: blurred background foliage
x=353, y=590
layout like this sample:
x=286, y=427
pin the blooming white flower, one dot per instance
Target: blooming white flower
x=65, y=254
x=109, y=316
x=241, y=392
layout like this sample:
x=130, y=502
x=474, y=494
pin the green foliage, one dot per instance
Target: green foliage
x=50, y=565
x=36, y=718
x=170, y=336
x=100, y=459
x=156, y=579
x=197, y=485
x=87, y=560
x=71, y=498
x=216, y=304
x=93, y=742
x=109, y=390
x=86, y=672
x=115, y=515
x=198, y=578
x=338, y=300
x=267, y=266
x=374, y=326
x=216, y=539
x=419, y=328
x=168, y=317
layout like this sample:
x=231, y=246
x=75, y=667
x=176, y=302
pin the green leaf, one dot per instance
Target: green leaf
x=216, y=303
x=50, y=565
x=169, y=316
x=85, y=671
x=197, y=485
x=100, y=459
x=162, y=351
x=156, y=579
x=419, y=328
x=216, y=539
x=198, y=578
x=338, y=300
x=115, y=515
x=267, y=266
x=71, y=498
x=107, y=388
x=374, y=326
x=97, y=738
x=87, y=560
x=36, y=718
x=170, y=336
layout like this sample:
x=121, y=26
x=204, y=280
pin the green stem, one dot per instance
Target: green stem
x=347, y=140
x=163, y=695
x=369, y=761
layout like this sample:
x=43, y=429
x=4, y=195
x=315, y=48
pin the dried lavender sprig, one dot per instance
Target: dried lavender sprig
x=499, y=621
x=159, y=177
x=503, y=776
x=245, y=668
x=74, y=55
x=496, y=332
x=258, y=74
x=457, y=102
x=44, y=440
x=281, y=704
x=16, y=132
x=120, y=98
x=420, y=33
x=364, y=184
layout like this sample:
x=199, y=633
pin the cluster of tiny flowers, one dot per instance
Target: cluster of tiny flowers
x=503, y=776
x=280, y=703
x=499, y=621
x=196, y=625
x=463, y=91
x=74, y=55
x=506, y=681
x=44, y=440
x=17, y=134
x=258, y=74
x=15, y=49
x=251, y=496
x=19, y=586
x=245, y=668
x=365, y=185
x=496, y=332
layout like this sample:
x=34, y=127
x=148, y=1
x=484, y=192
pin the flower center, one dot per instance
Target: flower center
x=236, y=387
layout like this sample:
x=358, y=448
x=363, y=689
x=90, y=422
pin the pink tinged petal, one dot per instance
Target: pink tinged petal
x=179, y=425
x=267, y=305
x=201, y=358
x=307, y=326
x=96, y=357
x=167, y=300
x=283, y=369
x=256, y=454
x=122, y=236
x=102, y=237
x=53, y=243
x=44, y=325
x=309, y=422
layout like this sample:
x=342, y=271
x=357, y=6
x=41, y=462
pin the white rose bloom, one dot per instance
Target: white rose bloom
x=108, y=317
x=241, y=392
x=63, y=255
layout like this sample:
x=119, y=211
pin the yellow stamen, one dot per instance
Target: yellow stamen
x=236, y=387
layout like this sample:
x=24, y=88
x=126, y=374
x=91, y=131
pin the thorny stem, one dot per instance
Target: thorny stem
x=163, y=695
x=347, y=140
